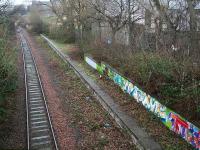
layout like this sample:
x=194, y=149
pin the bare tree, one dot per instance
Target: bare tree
x=193, y=26
x=113, y=12
x=71, y=13
x=171, y=18
x=4, y=4
x=135, y=14
x=81, y=14
x=171, y=14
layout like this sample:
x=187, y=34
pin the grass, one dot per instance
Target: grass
x=61, y=45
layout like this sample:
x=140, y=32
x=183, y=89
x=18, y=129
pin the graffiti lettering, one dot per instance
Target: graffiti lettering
x=172, y=120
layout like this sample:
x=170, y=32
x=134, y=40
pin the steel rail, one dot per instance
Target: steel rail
x=40, y=132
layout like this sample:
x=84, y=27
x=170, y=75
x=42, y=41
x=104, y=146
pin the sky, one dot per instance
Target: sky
x=26, y=2
x=16, y=2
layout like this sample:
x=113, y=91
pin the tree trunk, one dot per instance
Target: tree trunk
x=80, y=35
x=158, y=29
x=131, y=37
x=193, y=28
x=100, y=36
x=130, y=30
x=114, y=36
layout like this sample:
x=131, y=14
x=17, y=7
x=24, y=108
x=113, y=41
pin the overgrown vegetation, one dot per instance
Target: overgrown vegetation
x=8, y=76
x=174, y=82
x=36, y=24
x=61, y=33
x=163, y=60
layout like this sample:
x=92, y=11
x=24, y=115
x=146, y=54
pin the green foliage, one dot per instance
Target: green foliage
x=62, y=33
x=2, y=113
x=198, y=109
x=165, y=76
x=7, y=68
x=8, y=75
x=38, y=25
x=147, y=65
x=45, y=28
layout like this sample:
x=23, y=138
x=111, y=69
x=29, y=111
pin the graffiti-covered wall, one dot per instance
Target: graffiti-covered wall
x=169, y=118
x=95, y=65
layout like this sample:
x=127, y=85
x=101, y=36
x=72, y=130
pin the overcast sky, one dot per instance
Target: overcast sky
x=17, y=2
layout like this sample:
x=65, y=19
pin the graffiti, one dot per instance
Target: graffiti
x=91, y=62
x=94, y=65
x=169, y=118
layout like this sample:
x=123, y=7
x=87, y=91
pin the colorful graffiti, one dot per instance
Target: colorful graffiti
x=94, y=65
x=169, y=118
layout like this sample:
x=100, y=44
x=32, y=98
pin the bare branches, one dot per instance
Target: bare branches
x=113, y=12
x=4, y=4
x=3, y=7
x=169, y=17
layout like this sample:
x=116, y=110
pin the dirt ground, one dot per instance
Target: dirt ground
x=79, y=120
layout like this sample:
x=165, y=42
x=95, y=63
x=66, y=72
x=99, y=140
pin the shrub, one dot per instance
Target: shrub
x=62, y=33
x=8, y=75
x=148, y=65
x=161, y=75
x=37, y=24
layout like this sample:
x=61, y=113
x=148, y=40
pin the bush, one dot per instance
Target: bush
x=147, y=65
x=62, y=34
x=37, y=24
x=8, y=75
x=168, y=79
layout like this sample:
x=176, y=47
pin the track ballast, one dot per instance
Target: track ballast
x=40, y=135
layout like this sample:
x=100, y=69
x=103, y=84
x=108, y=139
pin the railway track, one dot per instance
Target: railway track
x=40, y=134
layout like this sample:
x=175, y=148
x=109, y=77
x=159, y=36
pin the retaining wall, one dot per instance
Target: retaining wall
x=169, y=118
